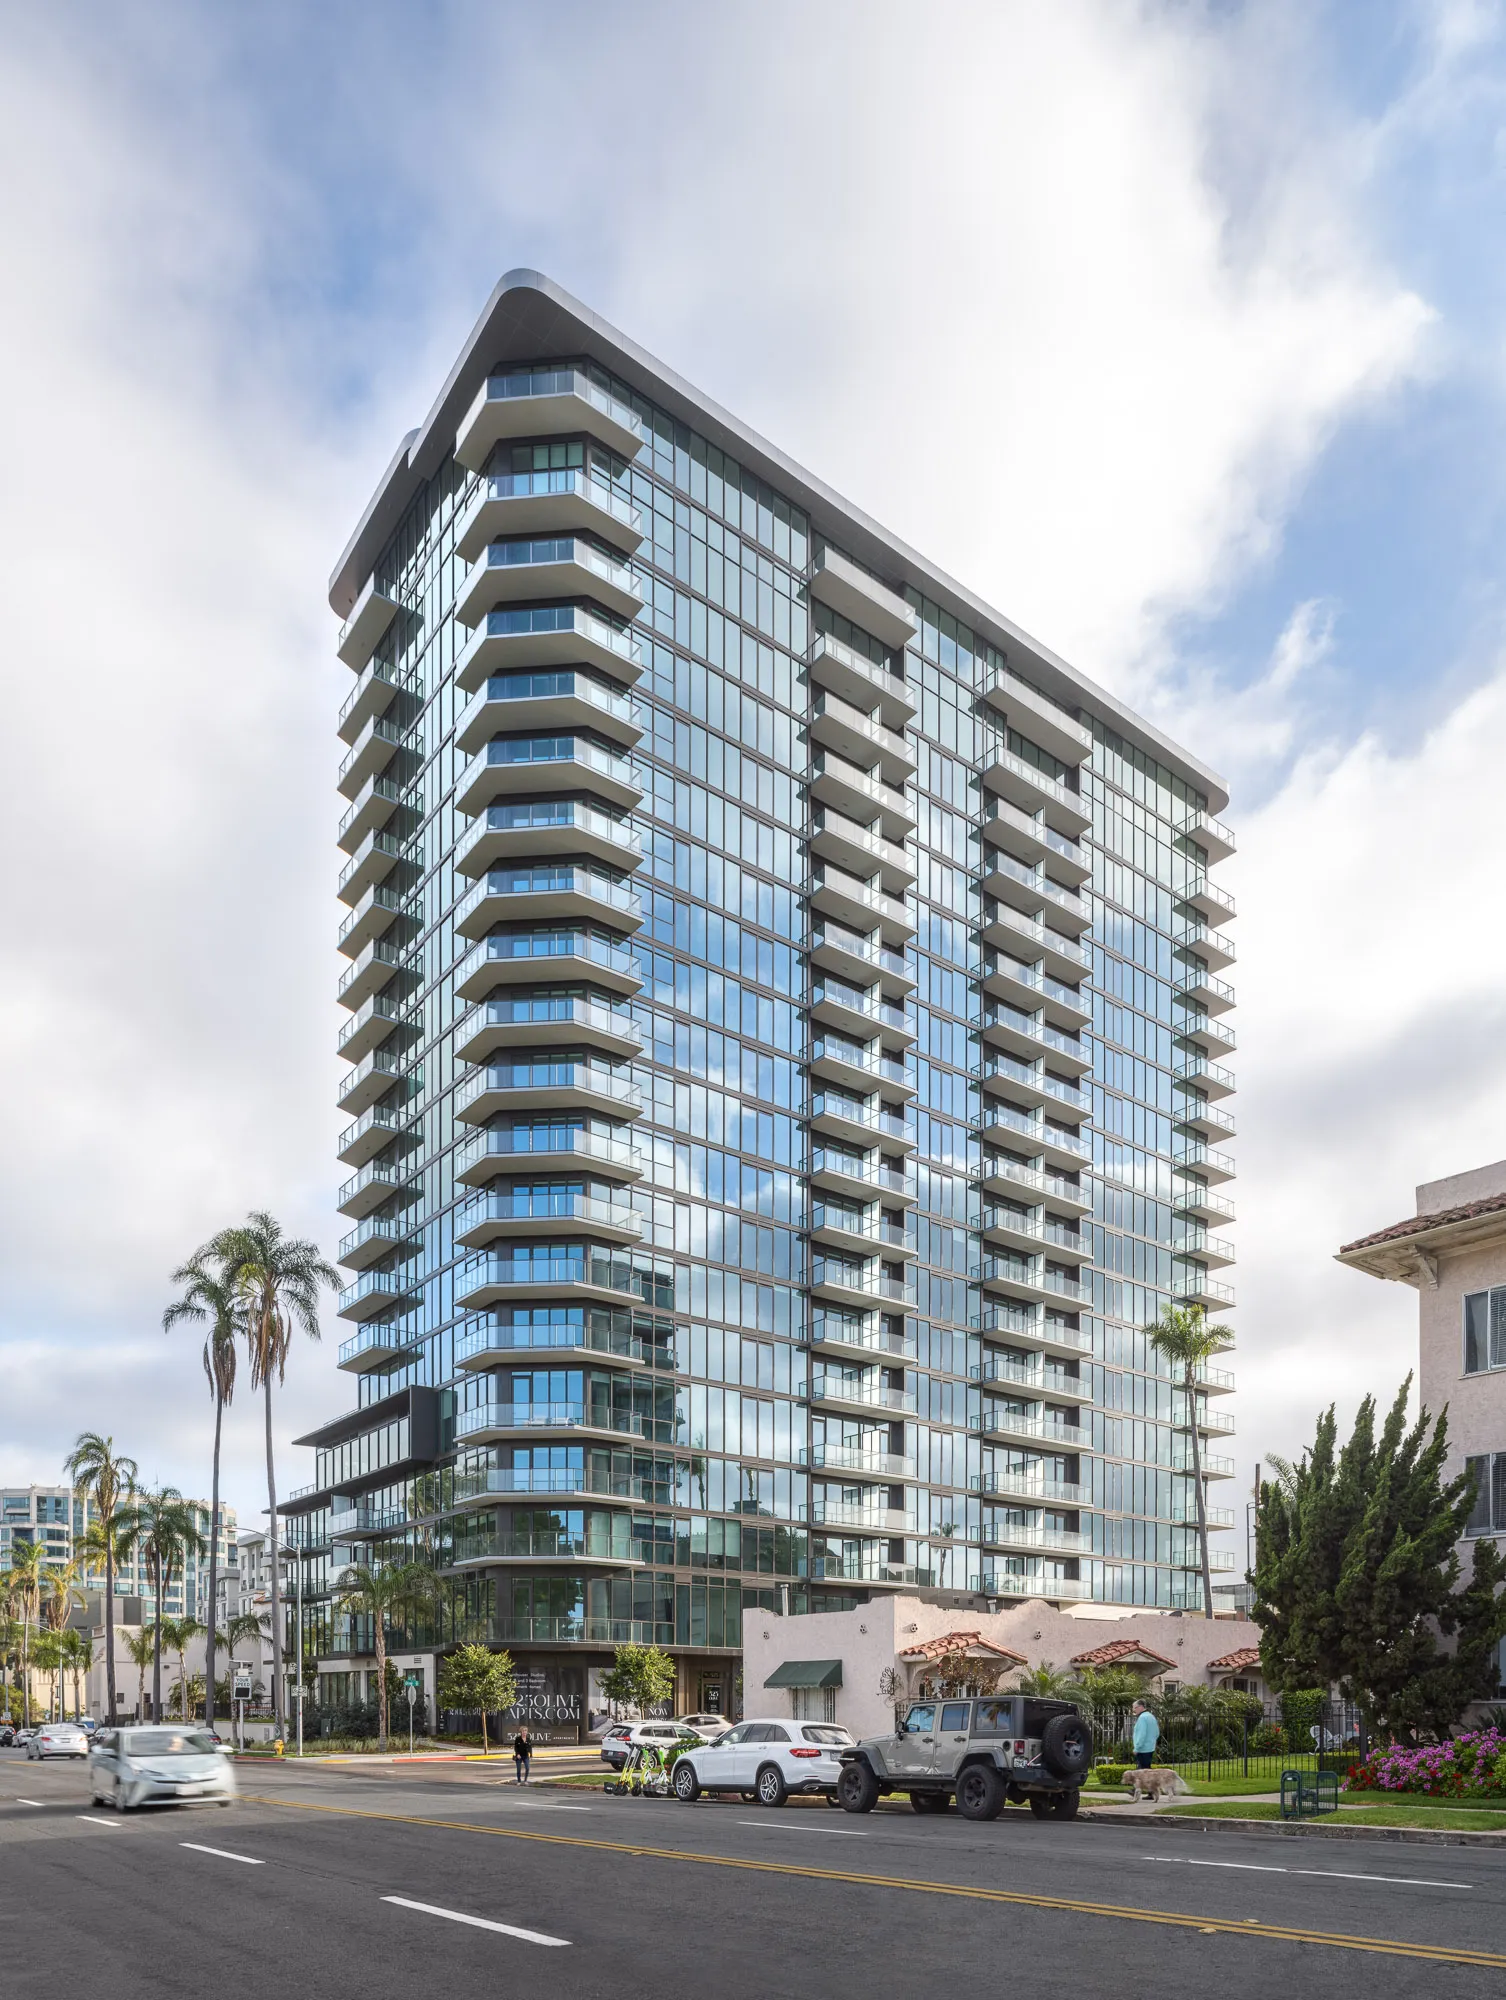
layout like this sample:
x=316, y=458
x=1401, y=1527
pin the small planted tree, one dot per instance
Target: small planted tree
x=640, y=1677
x=474, y=1679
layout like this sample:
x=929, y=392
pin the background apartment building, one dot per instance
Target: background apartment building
x=785, y=1024
x=57, y=1516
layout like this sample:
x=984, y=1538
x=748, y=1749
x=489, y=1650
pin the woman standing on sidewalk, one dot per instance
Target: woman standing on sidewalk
x=522, y=1756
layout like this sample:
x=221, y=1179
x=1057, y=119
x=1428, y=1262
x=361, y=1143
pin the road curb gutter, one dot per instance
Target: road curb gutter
x=1305, y=1829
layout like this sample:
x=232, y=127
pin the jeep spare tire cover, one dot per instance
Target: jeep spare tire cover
x=1067, y=1747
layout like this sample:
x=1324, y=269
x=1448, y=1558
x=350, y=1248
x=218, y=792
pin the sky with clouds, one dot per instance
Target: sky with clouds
x=1178, y=331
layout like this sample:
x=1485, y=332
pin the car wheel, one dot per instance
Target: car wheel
x=1064, y=1804
x=687, y=1784
x=121, y=1800
x=857, y=1789
x=770, y=1786
x=980, y=1792
x=1040, y=1805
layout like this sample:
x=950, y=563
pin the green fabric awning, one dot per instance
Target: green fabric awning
x=806, y=1674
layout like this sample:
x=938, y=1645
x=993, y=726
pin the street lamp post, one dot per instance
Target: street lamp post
x=296, y=1558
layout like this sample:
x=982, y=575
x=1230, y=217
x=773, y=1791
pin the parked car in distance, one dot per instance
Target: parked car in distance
x=1015, y=1749
x=7, y=1734
x=766, y=1759
x=135, y=1767
x=23, y=1737
x=661, y=1735
x=708, y=1727
x=58, y=1739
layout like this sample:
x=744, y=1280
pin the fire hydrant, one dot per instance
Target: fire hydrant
x=277, y=1747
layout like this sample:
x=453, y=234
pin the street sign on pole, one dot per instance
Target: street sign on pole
x=412, y=1689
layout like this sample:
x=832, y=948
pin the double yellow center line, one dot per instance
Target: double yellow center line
x=1208, y=1926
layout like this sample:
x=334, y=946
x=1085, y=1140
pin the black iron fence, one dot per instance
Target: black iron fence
x=1243, y=1737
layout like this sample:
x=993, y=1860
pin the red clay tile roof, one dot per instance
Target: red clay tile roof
x=1244, y=1656
x=951, y=1642
x=1116, y=1650
x=1415, y=1225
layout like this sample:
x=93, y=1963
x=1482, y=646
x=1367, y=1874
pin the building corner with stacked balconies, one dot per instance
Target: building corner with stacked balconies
x=784, y=1023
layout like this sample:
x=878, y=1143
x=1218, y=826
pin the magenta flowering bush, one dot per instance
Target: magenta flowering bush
x=1469, y=1766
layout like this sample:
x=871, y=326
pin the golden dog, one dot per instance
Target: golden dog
x=1156, y=1785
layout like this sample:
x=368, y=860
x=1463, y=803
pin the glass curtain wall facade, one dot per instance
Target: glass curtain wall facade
x=781, y=1023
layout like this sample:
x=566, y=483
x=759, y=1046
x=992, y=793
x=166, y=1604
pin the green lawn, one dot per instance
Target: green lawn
x=1203, y=1788
x=1422, y=1814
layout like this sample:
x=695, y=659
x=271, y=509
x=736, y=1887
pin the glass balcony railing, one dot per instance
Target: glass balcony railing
x=533, y=1141
x=562, y=683
x=572, y=620
x=562, y=1010
x=1033, y=1489
x=379, y=1286
x=489, y=1334
x=551, y=382
x=545, y=1076
x=380, y=1339
x=572, y=481
x=827, y=1388
x=504, y=751
x=548, y=1417
x=857, y=1167
x=861, y=1000
x=547, y=880
x=385, y=1229
x=567, y=815
x=575, y=1265
x=543, y=551
x=504, y=947
x=853, y=1330
x=548, y=1204
x=857, y=1458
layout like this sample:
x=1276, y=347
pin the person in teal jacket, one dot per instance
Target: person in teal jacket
x=1147, y=1734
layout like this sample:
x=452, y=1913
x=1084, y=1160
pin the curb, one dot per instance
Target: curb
x=1306, y=1830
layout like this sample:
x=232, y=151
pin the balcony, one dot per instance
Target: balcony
x=1210, y=1036
x=546, y=1020
x=861, y=1285
x=589, y=1551
x=1031, y=1035
x=579, y=1631
x=512, y=957
x=1214, y=1251
x=380, y=686
x=1030, y=839
x=856, y=1458
x=509, y=766
x=568, y=1273
x=1011, y=1583
x=547, y=1211
x=545, y=402
x=1213, y=948
x=853, y=957
x=380, y=1020
x=861, y=849
x=380, y=744
x=519, y=572
x=1032, y=1488
x=512, y=1420
x=862, y=1011
x=835, y=1058
x=373, y=1186
x=859, y=1230
x=1030, y=714
x=851, y=1515
x=1031, y=1232
x=1201, y=830
x=380, y=910
x=376, y=1130
x=1012, y=1128
x=373, y=1347
x=560, y=698
x=380, y=802
x=1198, y=1072
x=862, y=738
x=860, y=1121
x=860, y=795
x=377, y=1292
x=860, y=1397
x=564, y=501
x=1029, y=1278
x=512, y=1149
x=1199, y=1289
x=1038, y=1381
x=1036, y=895
x=1030, y=989
x=854, y=1174
x=1007, y=1177
x=852, y=1335
x=1033, y=791
x=372, y=1078
x=1195, y=1115
x=1195, y=1154
x=1031, y=1537
x=1195, y=1200
x=491, y=1340
x=1211, y=901
x=1194, y=983
x=374, y=611
x=375, y=1238
x=546, y=1085
x=851, y=900
x=546, y=892
x=380, y=857
x=547, y=635
x=362, y=1520
x=856, y=678
x=1009, y=929
x=849, y=1568
x=382, y=967
x=526, y=828
x=870, y=605
x=1012, y=1427
x=1033, y=1085
x=1213, y=1467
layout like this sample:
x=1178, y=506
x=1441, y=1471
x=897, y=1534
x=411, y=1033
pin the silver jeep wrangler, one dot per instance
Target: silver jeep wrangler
x=984, y=1752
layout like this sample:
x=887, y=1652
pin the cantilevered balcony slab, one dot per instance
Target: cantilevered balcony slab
x=375, y=1346
x=382, y=911
x=518, y=1087
x=545, y=893
x=375, y=1238
x=859, y=1011
x=530, y=828
x=1036, y=1379
x=382, y=967
x=524, y=1420
x=1009, y=1178
x=862, y=794
x=1196, y=984
x=552, y=566
x=562, y=502
x=377, y=1292
x=371, y=1078
x=378, y=1021
x=859, y=1176
x=863, y=1286
x=1201, y=830
x=494, y=1279
x=380, y=687
x=374, y=611
x=859, y=1069
x=1030, y=987
x=497, y=1340
x=381, y=857
x=1034, y=791
x=1028, y=837
x=375, y=1130
x=506, y=1215
x=546, y=1021
x=381, y=1182
x=505, y=1149
x=862, y=850
x=383, y=745
x=562, y=955
x=544, y=403
x=556, y=698
x=854, y=902
x=863, y=1395
x=845, y=671
x=862, y=738
x=1029, y=1037
x=381, y=802
x=857, y=959
x=1197, y=1157
x=846, y=1337
x=509, y=768
x=1011, y=881
x=1010, y=930
x=548, y=635
x=872, y=606
x=1037, y=1427
x=1193, y=1198
x=1040, y=721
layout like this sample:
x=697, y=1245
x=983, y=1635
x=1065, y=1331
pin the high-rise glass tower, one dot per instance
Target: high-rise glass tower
x=784, y=1005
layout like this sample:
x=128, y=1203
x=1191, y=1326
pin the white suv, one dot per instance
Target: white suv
x=766, y=1759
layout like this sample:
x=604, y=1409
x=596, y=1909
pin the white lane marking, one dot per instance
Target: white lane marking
x=794, y=1826
x=481, y=1923
x=223, y=1853
x=1329, y=1874
x=28, y=1802
x=112, y=1824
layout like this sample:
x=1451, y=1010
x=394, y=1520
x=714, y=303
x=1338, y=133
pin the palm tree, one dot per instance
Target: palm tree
x=104, y=1478
x=178, y=1634
x=140, y=1646
x=380, y=1595
x=277, y=1280
x=210, y=1298
x=62, y=1598
x=164, y=1527
x=47, y=1658
x=79, y=1648
x=1184, y=1337
x=26, y=1586
x=1046, y=1682
x=244, y=1625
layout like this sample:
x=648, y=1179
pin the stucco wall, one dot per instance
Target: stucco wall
x=871, y=1638
x=1476, y=1403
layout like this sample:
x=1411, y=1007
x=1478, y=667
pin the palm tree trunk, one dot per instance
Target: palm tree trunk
x=157, y=1641
x=109, y=1628
x=276, y=1584
x=1202, y=1509
x=25, y=1668
x=214, y=1562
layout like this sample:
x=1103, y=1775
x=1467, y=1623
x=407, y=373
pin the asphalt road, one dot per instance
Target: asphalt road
x=382, y=1880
